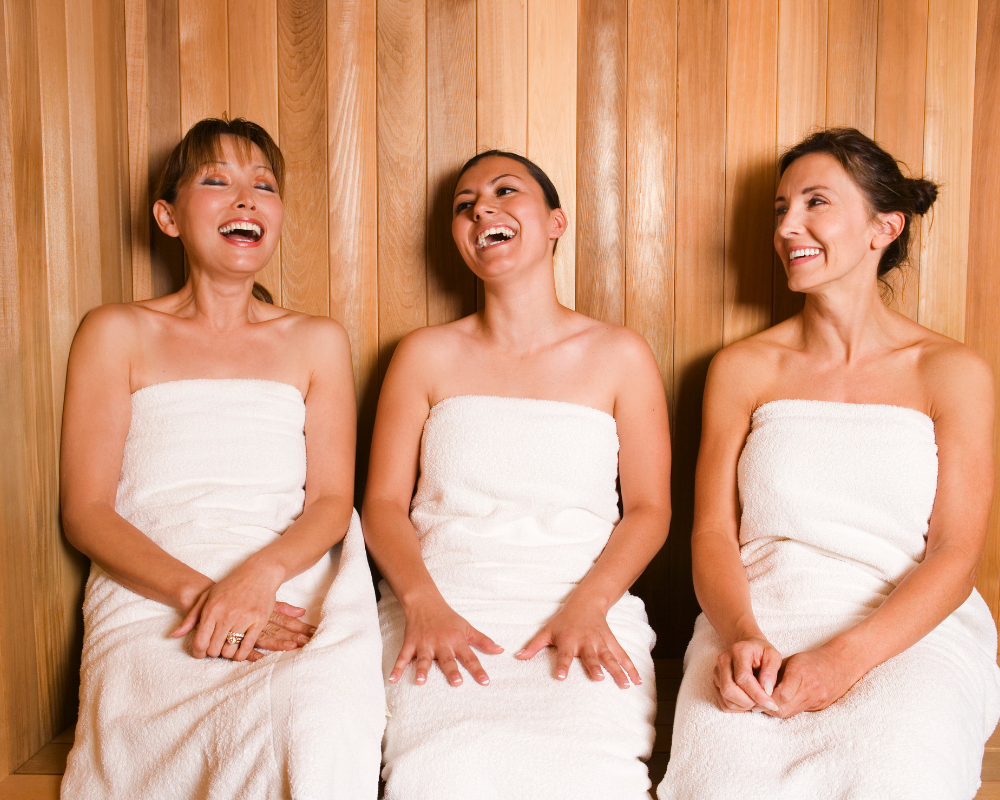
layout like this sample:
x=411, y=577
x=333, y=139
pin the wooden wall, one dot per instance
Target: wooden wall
x=658, y=120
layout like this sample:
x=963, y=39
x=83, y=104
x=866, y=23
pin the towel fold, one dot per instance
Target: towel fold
x=836, y=501
x=213, y=471
x=516, y=500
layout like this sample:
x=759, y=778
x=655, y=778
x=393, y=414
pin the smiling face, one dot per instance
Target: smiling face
x=501, y=220
x=825, y=230
x=228, y=214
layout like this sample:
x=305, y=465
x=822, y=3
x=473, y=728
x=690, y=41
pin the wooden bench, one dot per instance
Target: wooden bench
x=39, y=777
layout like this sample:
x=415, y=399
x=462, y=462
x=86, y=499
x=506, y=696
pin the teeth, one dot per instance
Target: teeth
x=507, y=233
x=241, y=226
x=804, y=251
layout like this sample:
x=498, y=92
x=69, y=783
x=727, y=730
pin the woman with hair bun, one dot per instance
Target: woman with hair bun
x=228, y=652
x=842, y=494
x=514, y=424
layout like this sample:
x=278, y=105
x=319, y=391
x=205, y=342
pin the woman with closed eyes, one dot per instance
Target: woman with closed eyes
x=518, y=665
x=228, y=652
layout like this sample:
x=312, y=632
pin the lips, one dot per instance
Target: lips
x=242, y=231
x=493, y=235
x=803, y=252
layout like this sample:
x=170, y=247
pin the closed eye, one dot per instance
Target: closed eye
x=265, y=186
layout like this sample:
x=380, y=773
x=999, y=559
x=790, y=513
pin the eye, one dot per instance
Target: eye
x=212, y=180
x=780, y=211
x=505, y=190
x=267, y=187
x=462, y=206
x=816, y=201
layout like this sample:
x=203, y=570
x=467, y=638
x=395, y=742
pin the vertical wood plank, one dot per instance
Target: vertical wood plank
x=751, y=130
x=984, y=267
x=698, y=279
x=451, y=139
x=600, y=166
x=951, y=75
x=302, y=97
x=650, y=218
x=137, y=65
x=850, y=66
x=899, y=116
x=402, y=172
x=552, y=111
x=253, y=86
x=203, y=62
x=353, y=202
x=502, y=75
x=802, y=63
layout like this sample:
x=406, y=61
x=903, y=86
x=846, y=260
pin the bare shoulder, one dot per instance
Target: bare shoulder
x=114, y=328
x=624, y=346
x=434, y=341
x=955, y=375
x=318, y=335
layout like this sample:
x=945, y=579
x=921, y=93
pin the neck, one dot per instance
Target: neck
x=845, y=324
x=217, y=303
x=521, y=312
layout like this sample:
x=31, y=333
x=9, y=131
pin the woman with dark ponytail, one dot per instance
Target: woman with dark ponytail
x=842, y=495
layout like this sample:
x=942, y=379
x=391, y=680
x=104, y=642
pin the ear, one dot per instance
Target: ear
x=887, y=228
x=163, y=213
x=559, y=223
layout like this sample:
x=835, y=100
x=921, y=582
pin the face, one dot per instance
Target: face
x=500, y=218
x=825, y=231
x=228, y=215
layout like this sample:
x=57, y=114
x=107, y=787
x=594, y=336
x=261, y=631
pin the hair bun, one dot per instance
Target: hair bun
x=924, y=194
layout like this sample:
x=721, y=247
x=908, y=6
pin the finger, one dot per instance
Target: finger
x=769, y=666
x=449, y=666
x=481, y=641
x=626, y=663
x=191, y=619
x=405, y=657
x=473, y=667
x=423, y=667
x=203, y=637
x=541, y=640
x=255, y=655
x=229, y=649
x=564, y=660
x=787, y=688
x=744, y=678
x=614, y=669
x=246, y=646
x=593, y=665
x=296, y=626
x=276, y=637
x=288, y=609
x=731, y=697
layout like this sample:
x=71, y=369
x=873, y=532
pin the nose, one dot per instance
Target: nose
x=789, y=225
x=245, y=199
x=483, y=207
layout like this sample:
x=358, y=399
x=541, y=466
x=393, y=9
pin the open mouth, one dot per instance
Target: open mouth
x=242, y=231
x=494, y=235
x=803, y=253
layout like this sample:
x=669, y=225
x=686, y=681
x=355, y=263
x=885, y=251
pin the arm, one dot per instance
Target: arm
x=962, y=409
x=747, y=670
x=434, y=632
x=245, y=599
x=580, y=629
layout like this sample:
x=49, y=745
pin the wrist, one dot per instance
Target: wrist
x=266, y=571
x=419, y=598
x=581, y=596
x=742, y=629
x=849, y=656
x=190, y=590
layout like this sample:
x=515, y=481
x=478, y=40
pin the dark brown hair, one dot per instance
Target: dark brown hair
x=203, y=144
x=877, y=174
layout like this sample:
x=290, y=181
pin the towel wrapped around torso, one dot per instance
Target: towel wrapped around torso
x=516, y=500
x=213, y=471
x=836, y=502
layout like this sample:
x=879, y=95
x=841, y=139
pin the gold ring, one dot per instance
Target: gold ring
x=234, y=638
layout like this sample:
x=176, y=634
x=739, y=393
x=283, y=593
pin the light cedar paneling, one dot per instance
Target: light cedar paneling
x=253, y=86
x=204, y=64
x=502, y=75
x=751, y=78
x=302, y=112
x=899, y=116
x=650, y=219
x=850, y=66
x=137, y=101
x=402, y=172
x=451, y=139
x=699, y=278
x=552, y=115
x=983, y=296
x=600, y=164
x=950, y=87
x=803, y=27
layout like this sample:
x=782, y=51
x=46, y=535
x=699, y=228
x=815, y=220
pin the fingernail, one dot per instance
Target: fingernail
x=456, y=681
x=312, y=630
x=519, y=653
x=560, y=674
x=484, y=681
x=302, y=639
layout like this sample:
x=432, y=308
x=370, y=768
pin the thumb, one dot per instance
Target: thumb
x=190, y=620
x=786, y=688
x=481, y=641
x=541, y=640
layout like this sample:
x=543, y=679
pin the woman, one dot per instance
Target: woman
x=827, y=583
x=187, y=423
x=518, y=420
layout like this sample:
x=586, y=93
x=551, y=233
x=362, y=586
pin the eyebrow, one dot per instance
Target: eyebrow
x=781, y=198
x=497, y=178
x=227, y=164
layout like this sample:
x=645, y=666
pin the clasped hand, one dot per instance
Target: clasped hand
x=242, y=603
x=752, y=676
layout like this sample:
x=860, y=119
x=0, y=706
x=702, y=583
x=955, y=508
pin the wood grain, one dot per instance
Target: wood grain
x=600, y=166
x=850, y=65
x=137, y=80
x=253, y=87
x=899, y=117
x=502, y=75
x=751, y=128
x=983, y=295
x=951, y=76
x=402, y=172
x=802, y=62
x=302, y=97
x=451, y=139
x=203, y=63
x=552, y=119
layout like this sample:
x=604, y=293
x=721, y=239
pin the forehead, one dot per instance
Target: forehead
x=489, y=169
x=234, y=150
x=814, y=169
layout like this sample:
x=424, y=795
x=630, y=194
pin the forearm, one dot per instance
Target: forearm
x=632, y=545
x=721, y=585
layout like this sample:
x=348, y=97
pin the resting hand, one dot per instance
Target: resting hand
x=580, y=630
x=745, y=676
x=810, y=681
x=438, y=633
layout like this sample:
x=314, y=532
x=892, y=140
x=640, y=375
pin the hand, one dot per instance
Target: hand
x=438, y=633
x=745, y=676
x=580, y=630
x=810, y=681
x=283, y=631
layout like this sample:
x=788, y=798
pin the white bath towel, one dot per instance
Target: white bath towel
x=836, y=499
x=214, y=470
x=516, y=500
